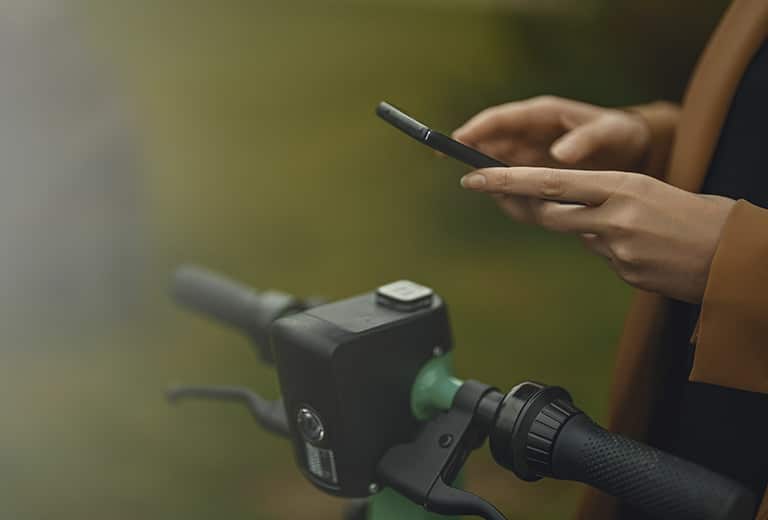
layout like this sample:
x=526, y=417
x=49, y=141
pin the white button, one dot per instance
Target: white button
x=404, y=295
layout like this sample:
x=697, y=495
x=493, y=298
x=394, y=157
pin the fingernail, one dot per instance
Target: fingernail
x=473, y=180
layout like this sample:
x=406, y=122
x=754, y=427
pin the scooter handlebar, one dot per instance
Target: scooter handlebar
x=538, y=432
x=216, y=296
x=232, y=303
x=662, y=484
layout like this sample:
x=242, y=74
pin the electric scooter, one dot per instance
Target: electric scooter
x=375, y=413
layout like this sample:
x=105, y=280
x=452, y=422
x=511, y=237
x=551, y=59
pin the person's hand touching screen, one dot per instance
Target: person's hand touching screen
x=552, y=131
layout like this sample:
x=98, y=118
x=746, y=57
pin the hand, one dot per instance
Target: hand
x=557, y=132
x=657, y=237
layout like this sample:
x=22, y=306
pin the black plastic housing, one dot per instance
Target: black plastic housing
x=352, y=363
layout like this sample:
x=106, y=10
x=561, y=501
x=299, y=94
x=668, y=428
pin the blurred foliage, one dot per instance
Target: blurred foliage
x=266, y=162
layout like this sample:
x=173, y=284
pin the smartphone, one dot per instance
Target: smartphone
x=436, y=140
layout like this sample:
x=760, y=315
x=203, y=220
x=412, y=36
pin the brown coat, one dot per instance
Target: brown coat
x=732, y=335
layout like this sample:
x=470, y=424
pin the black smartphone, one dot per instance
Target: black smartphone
x=436, y=140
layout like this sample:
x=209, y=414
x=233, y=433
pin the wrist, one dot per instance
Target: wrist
x=714, y=221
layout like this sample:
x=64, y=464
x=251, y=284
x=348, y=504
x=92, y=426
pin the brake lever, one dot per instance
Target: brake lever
x=270, y=415
x=423, y=469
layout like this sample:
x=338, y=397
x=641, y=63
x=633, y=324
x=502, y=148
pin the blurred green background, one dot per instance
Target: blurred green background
x=264, y=160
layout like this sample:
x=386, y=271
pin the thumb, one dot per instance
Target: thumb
x=579, y=143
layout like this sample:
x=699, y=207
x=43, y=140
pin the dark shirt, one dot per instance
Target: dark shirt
x=720, y=428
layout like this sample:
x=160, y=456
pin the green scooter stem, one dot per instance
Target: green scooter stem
x=434, y=388
x=432, y=392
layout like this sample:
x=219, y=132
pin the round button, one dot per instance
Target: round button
x=310, y=425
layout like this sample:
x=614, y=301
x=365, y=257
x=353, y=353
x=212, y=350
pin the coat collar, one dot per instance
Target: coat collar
x=707, y=101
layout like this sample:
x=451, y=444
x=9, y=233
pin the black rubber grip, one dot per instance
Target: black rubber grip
x=217, y=296
x=232, y=303
x=657, y=482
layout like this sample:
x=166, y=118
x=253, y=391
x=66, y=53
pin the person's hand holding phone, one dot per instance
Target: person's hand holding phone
x=552, y=131
x=656, y=236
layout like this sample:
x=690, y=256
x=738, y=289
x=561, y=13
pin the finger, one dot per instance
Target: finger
x=499, y=149
x=581, y=142
x=570, y=121
x=543, y=113
x=581, y=186
x=520, y=209
x=506, y=119
x=596, y=244
x=515, y=207
x=567, y=218
x=554, y=216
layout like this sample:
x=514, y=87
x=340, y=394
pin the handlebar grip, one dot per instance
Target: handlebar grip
x=662, y=484
x=216, y=296
x=233, y=303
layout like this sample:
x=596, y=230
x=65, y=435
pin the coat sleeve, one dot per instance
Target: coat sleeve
x=732, y=337
x=661, y=118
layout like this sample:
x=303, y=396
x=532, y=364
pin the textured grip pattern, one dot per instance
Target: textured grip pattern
x=661, y=484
